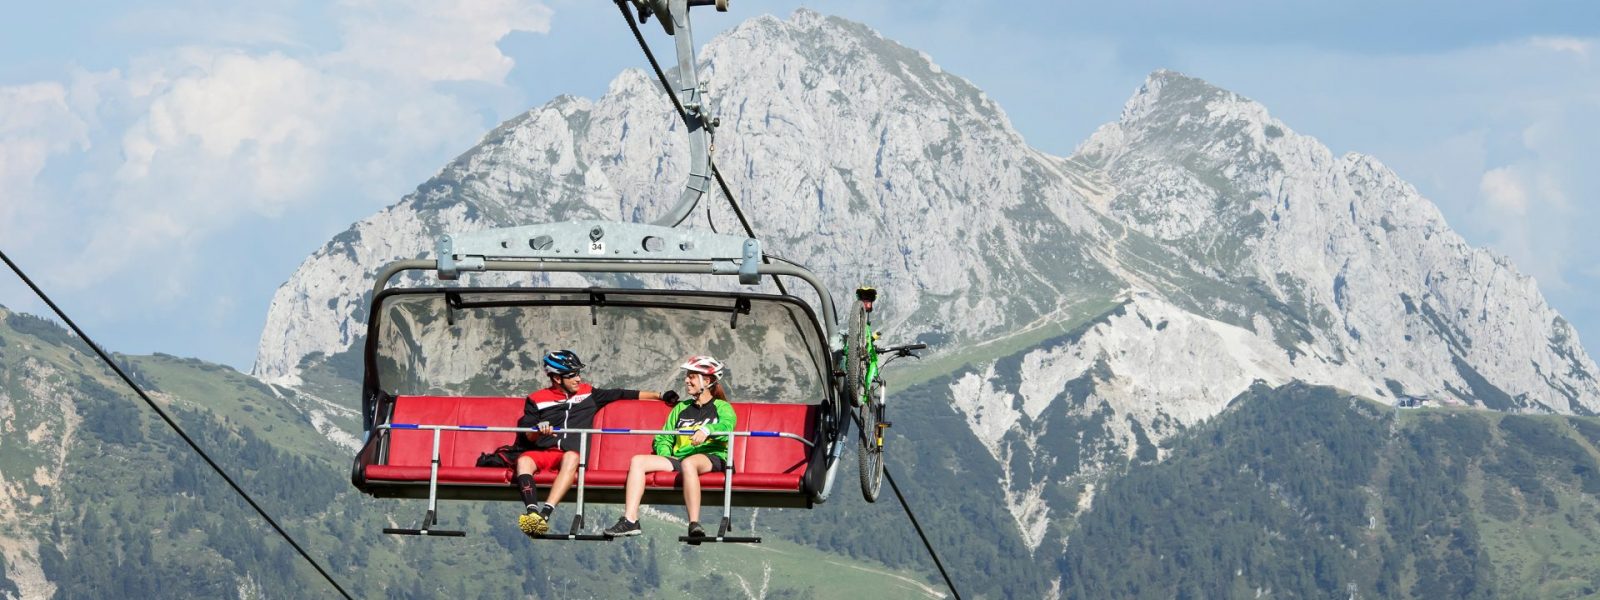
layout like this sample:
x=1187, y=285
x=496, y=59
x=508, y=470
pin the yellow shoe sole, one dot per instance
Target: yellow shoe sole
x=533, y=524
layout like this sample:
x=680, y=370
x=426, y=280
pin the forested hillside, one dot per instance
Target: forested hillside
x=1305, y=492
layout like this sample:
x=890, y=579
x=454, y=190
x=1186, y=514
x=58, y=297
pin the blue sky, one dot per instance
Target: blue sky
x=165, y=165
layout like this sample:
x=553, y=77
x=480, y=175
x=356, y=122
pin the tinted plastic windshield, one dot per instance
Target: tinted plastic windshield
x=491, y=342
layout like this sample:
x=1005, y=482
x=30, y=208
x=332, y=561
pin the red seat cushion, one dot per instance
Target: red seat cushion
x=614, y=452
x=782, y=458
x=605, y=478
x=472, y=475
x=456, y=448
x=742, y=481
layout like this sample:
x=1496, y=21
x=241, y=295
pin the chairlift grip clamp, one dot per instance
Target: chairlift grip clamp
x=449, y=268
x=749, y=268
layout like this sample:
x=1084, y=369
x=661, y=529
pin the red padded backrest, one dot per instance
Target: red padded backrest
x=751, y=454
x=614, y=452
x=768, y=454
x=456, y=448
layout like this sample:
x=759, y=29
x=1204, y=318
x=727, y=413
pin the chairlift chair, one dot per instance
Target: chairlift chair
x=446, y=366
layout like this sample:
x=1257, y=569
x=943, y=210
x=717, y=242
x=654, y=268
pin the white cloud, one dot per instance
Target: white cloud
x=182, y=143
x=1526, y=207
x=36, y=123
x=272, y=108
x=261, y=137
x=454, y=40
x=1505, y=192
x=1576, y=46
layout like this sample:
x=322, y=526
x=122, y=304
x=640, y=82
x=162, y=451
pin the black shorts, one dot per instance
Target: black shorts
x=717, y=464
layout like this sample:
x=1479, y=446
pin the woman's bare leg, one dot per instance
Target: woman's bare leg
x=642, y=465
x=693, y=467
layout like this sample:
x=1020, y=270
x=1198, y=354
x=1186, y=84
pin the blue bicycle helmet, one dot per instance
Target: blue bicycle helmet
x=562, y=362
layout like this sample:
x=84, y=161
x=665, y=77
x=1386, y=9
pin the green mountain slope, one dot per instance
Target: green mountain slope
x=103, y=498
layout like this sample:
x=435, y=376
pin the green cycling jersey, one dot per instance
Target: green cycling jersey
x=714, y=416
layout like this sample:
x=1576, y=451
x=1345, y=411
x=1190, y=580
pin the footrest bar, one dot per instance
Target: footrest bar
x=427, y=532
x=696, y=541
x=578, y=537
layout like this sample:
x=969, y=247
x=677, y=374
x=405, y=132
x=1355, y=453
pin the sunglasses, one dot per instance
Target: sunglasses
x=565, y=376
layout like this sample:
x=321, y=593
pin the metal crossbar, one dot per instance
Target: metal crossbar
x=431, y=517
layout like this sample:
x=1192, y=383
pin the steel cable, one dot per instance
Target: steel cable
x=173, y=424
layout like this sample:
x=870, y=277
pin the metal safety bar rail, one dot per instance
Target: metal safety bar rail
x=431, y=517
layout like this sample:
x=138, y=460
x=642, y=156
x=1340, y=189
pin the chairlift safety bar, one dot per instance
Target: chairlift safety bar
x=605, y=430
x=431, y=516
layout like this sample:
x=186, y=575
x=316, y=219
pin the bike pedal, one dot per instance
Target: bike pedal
x=884, y=424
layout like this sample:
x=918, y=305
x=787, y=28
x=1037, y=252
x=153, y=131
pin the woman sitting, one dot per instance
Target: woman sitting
x=705, y=410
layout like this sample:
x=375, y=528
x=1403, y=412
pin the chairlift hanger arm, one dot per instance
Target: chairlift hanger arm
x=722, y=6
x=674, y=18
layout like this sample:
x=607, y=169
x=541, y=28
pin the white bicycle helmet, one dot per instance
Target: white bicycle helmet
x=704, y=365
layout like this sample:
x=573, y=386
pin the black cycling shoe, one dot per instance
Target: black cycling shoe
x=696, y=535
x=624, y=527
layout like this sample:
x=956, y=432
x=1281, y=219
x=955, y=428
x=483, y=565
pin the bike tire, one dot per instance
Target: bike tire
x=871, y=450
x=855, y=357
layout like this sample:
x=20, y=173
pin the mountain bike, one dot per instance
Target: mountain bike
x=867, y=390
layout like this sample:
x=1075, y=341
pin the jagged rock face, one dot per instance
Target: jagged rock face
x=1192, y=248
x=1384, y=282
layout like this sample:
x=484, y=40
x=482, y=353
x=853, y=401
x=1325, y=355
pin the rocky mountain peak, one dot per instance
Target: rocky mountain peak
x=842, y=141
x=1236, y=192
x=845, y=60
x=1168, y=96
x=1186, y=119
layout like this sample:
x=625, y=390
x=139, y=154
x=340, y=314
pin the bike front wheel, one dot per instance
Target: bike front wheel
x=871, y=451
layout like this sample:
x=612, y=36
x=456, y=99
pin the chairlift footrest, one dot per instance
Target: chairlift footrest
x=572, y=537
x=726, y=539
x=424, y=532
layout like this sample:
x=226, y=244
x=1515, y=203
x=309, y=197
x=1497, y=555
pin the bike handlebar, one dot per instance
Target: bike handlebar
x=903, y=350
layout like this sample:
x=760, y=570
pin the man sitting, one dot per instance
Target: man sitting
x=568, y=403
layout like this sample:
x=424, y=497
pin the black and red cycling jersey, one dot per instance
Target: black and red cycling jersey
x=554, y=406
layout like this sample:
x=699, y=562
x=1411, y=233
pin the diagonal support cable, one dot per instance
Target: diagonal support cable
x=925, y=543
x=173, y=424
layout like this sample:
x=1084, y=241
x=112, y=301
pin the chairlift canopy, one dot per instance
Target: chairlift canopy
x=489, y=342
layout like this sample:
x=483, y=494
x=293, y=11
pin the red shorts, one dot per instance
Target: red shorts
x=548, y=459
